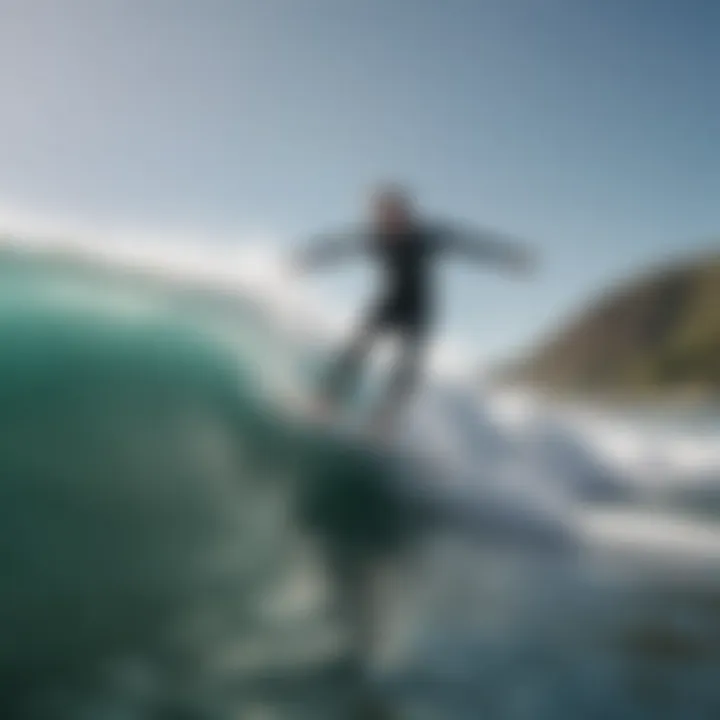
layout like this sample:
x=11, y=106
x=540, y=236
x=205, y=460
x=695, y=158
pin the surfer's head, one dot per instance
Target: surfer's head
x=392, y=209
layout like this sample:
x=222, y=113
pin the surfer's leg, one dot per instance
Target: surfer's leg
x=345, y=371
x=404, y=376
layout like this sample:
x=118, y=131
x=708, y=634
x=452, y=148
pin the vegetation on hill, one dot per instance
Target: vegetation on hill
x=658, y=332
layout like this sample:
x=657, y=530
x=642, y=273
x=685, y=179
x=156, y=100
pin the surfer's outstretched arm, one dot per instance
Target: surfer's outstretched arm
x=329, y=248
x=488, y=246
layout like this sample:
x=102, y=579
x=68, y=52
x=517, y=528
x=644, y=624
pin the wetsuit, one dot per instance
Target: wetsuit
x=405, y=306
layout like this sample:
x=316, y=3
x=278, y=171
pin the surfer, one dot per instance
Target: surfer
x=361, y=519
x=407, y=247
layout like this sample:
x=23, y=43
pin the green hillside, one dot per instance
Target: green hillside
x=658, y=332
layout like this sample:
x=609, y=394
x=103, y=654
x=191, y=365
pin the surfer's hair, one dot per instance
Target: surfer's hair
x=394, y=193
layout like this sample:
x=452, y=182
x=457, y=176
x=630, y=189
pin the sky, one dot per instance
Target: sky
x=589, y=128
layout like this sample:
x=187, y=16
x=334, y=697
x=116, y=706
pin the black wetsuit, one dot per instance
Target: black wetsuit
x=405, y=303
x=405, y=306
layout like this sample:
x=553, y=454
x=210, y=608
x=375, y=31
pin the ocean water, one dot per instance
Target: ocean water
x=159, y=559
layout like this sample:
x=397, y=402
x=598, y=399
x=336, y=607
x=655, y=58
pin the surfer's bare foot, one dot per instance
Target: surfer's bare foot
x=319, y=410
x=383, y=427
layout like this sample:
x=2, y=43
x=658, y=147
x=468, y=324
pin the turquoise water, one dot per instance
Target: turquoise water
x=165, y=521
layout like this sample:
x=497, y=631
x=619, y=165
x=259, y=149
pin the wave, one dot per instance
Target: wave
x=162, y=501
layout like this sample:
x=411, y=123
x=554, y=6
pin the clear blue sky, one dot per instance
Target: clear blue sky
x=590, y=126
